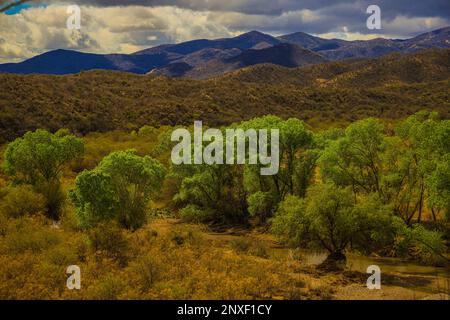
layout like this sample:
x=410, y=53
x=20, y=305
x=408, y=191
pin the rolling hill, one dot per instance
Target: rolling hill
x=335, y=93
x=424, y=66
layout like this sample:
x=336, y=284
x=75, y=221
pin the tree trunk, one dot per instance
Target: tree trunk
x=336, y=261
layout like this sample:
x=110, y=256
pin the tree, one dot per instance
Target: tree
x=438, y=181
x=120, y=188
x=355, y=159
x=227, y=189
x=297, y=162
x=38, y=158
x=330, y=219
x=260, y=205
x=215, y=190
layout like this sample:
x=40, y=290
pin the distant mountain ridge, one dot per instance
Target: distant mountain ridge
x=283, y=54
x=206, y=58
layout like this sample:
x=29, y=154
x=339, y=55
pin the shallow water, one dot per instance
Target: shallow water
x=421, y=277
x=407, y=274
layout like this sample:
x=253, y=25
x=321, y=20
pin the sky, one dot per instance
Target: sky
x=126, y=26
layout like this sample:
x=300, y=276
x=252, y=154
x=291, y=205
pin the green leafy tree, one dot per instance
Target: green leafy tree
x=215, y=190
x=330, y=219
x=355, y=159
x=260, y=205
x=38, y=158
x=297, y=162
x=420, y=165
x=120, y=188
x=438, y=181
x=420, y=243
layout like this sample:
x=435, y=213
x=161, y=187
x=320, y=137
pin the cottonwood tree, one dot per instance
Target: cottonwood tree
x=232, y=190
x=119, y=188
x=329, y=219
x=38, y=159
x=297, y=163
x=355, y=159
x=214, y=191
x=438, y=181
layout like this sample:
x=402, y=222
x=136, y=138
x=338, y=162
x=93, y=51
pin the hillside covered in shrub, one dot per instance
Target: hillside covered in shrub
x=334, y=93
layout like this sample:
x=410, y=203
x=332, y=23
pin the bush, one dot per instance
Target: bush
x=193, y=213
x=259, y=249
x=111, y=240
x=61, y=256
x=22, y=200
x=261, y=205
x=110, y=288
x=240, y=245
x=148, y=270
x=28, y=234
x=147, y=131
x=419, y=243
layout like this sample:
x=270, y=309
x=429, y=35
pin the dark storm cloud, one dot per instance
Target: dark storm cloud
x=391, y=8
x=284, y=16
x=280, y=15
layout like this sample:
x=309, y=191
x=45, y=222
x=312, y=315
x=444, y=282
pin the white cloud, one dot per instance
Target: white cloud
x=103, y=30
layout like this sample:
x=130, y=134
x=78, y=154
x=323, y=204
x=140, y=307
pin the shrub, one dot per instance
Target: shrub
x=22, y=200
x=259, y=249
x=28, y=234
x=147, y=131
x=148, y=269
x=193, y=213
x=110, y=288
x=111, y=240
x=261, y=205
x=240, y=245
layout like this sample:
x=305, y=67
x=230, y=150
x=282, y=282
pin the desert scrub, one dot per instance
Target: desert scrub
x=111, y=240
x=22, y=200
x=156, y=266
x=240, y=245
x=29, y=234
x=253, y=247
x=259, y=249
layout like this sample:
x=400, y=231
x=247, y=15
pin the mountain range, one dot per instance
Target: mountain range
x=207, y=58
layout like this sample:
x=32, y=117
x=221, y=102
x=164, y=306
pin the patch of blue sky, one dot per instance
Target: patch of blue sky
x=17, y=9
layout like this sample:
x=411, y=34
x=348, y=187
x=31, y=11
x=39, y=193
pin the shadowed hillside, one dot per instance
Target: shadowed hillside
x=429, y=65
